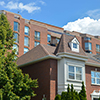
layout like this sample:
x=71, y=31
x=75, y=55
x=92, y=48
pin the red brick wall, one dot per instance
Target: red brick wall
x=90, y=88
x=46, y=73
x=43, y=32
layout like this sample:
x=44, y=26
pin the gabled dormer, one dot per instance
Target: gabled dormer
x=74, y=45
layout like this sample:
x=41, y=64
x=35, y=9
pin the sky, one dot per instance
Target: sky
x=73, y=15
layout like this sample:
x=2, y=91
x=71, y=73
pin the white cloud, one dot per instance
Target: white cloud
x=2, y=3
x=85, y=25
x=94, y=13
x=29, y=7
x=42, y=2
x=20, y=6
x=11, y=5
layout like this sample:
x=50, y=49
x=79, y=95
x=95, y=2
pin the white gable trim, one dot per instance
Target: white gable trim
x=75, y=40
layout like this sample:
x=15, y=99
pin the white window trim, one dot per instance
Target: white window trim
x=75, y=74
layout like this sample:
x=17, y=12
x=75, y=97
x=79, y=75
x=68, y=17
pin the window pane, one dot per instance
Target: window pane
x=78, y=70
x=26, y=50
x=26, y=41
x=48, y=38
x=74, y=45
x=16, y=37
x=92, y=74
x=88, y=46
x=98, y=81
x=71, y=68
x=36, y=43
x=78, y=77
x=16, y=26
x=71, y=76
x=15, y=46
x=37, y=35
x=93, y=80
x=26, y=30
x=97, y=74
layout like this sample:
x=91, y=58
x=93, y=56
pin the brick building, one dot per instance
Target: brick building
x=30, y=33
x=56, y=67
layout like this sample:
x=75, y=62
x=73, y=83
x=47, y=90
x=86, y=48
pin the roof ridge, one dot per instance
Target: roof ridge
x=44, y=49
x=64, y=42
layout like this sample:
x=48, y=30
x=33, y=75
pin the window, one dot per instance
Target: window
x=36, y=43
x=16, y=37
x=75, y=73
x=95, y=77
x=48, y=38
x=57, y=40
x=87, y=38
x=16, y=26
x=26, y=30
x=15, y=46
x=88, y=46
x=26, y=41
x=74, y=45
x=26, y=50
x=37, y=35
x=97, y=48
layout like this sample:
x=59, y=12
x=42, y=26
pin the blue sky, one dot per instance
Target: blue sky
x=77, y=15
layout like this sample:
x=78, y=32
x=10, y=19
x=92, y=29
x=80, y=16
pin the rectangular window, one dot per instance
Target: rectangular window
x=88, y=46
x=15, y=46
x=16, y=37
x=26, y=30
x=75, y=73
x=87, y=38
x=75, y=45
x=26, y=41
x=36, y=43
x=37, y=35
x=26, y=50
x=97, y=48
x=48, y=38
x=95, y=77
x=16, y=26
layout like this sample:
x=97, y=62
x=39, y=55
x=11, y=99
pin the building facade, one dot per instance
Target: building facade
x=56, y=67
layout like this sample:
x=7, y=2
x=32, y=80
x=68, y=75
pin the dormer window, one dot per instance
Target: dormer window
x=74, y=45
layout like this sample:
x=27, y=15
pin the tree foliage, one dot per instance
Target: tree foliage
x=58, y=97
x=82, y=93
x=71, y=94
x=14, y=85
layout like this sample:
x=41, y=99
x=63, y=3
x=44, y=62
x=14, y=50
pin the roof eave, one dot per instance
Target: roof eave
x=38, y=60
x=74, y=56
x=92, y=64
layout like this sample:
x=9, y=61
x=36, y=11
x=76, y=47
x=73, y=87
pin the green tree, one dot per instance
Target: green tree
x=73, y=96
x=63, y=95
x=58, y=97
x=82, y=93
x=76, y=95
x=68, y=93
x=14, y=85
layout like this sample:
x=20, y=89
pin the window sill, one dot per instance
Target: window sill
x=95, y=84
x=74, y=80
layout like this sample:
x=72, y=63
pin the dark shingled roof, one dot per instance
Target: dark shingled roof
x=93, y=58
x=63, y=46
x=36, y=53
